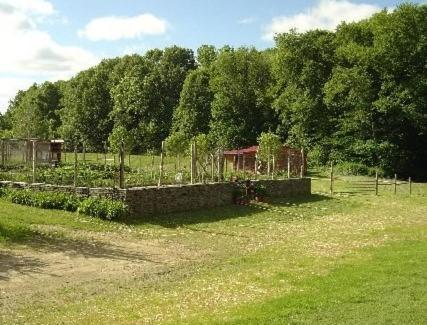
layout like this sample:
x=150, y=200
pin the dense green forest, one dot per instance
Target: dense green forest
x=358, y=95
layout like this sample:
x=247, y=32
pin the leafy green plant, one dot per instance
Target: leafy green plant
x=260, y=190
x=45, y=200
x=103, y=208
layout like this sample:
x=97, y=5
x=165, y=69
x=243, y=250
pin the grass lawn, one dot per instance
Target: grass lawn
x=347, y=259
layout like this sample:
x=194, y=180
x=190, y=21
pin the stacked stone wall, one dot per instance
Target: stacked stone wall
x=143, y=201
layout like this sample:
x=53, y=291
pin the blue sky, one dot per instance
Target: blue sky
x=54, y=39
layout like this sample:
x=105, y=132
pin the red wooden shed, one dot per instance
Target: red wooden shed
x=244, y=159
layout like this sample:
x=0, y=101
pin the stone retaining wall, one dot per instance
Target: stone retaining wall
x=143, y=201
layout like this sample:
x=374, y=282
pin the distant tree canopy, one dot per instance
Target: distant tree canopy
x=358, y=94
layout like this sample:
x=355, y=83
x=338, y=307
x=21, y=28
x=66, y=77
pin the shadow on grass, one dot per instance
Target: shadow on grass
x=210, y=215
x=299, y=200
x=19, y=264
x=175, y=220
x=41, y=243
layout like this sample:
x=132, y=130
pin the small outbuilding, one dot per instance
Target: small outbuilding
x=21, y=150
x=246, y=160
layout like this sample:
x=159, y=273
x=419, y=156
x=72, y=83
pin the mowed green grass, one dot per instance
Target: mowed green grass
x=342, y=259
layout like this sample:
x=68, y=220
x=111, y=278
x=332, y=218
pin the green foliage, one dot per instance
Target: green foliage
x=87, y=106
x=44, y=200
x=34, y=112
x=206, y=55
x=241, y=108
x=269, y=145
x=193, y=113
x=117, y=136
x=358, y=94
x=203, y=145
x=147, y=95
x=95, y=207
x=103, y=208
x=355, y=169
x=177, y=144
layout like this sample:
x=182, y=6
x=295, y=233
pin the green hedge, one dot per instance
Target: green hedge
x=94, y=207
x=103, y=208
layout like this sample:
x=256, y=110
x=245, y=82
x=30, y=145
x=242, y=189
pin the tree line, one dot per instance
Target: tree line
x=358, y=94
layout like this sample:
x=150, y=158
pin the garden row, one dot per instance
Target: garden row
x=93, y=206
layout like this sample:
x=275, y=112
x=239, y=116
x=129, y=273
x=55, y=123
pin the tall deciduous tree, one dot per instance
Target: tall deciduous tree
x=194, y=111
x=146, y=97
x=34, y=113
x=87, y=106
x=241, y=108
x=302, y=65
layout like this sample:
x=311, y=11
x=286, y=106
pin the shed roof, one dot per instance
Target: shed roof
x=248, y=150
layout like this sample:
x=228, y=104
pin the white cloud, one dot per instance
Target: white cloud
x=9, y=87
x=30, y=54
x=246, y=21
x=327, y=14
x=114, y=28
x=34, y=7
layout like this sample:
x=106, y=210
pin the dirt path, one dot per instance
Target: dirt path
x=50, y=263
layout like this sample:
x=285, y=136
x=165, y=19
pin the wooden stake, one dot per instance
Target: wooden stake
x=302, y=162
x=220, y=165
x=34, y=160
x=301, y=173
x=243, y=165
x=376, y=182
x=289, y=166
x=159, y=183
x=212, y=168
x=3, y=158
x=331, y=188
x=105, y=155
x=152, y=167
x=273, y=167
x=192, y=169
x=122, y=165
x=256, y=166
x=395, y=183
x=410, y=185
x=75, y=166
x=84, y=152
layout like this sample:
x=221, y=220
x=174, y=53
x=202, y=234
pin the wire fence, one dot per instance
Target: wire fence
x=33, y=161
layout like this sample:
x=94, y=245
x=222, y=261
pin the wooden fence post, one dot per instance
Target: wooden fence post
x=152, y=167
x=75, y=166
x=244, y=165
x=410, y=185
x=34, y=160
x=256, y=166
x=122, y=165
x=192, y=176
x=301, y=173
x=65, y=153
x=159, y=183
x=395, y=183
x=105, y=155
x=273, y=166
x=196, y=171
x=331, y=189
x=220, y=165
x=376, y=182
x=212, y=168
x=302, y=162
x=3, y=158
x=84, y=152
x=289, y=166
